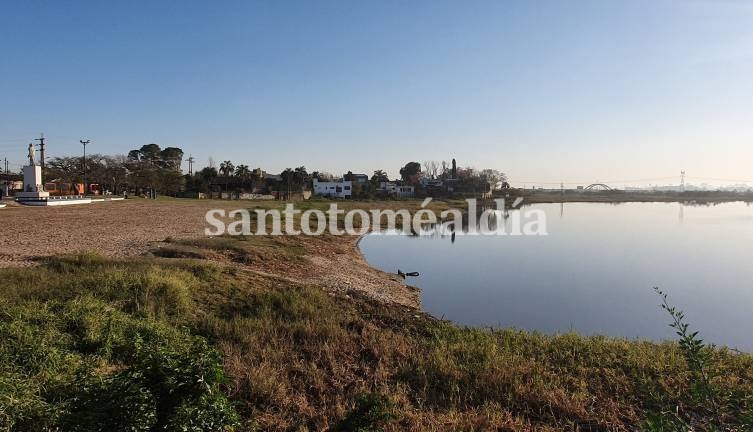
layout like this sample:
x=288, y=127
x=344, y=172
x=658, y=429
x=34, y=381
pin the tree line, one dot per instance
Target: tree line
x=149, y=167
x=152, y=167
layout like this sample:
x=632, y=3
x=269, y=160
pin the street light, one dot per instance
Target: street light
x=85, y=142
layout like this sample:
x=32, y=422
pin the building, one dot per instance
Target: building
x=361, y=179
x=335, y=189
x=405, y=192
x=395, y=190
x=360, y=182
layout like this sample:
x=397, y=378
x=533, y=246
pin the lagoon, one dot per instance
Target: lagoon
x=593, y=273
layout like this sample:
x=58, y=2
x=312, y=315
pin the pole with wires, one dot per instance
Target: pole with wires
x=84, y=143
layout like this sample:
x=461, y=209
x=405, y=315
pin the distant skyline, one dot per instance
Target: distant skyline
x=629, y=92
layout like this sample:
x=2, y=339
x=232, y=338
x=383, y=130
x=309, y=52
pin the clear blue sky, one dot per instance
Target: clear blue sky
x=545, y=91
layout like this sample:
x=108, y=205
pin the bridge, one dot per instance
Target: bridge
x=598, y=186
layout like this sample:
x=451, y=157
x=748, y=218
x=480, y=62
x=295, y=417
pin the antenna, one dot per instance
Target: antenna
x=190, y=165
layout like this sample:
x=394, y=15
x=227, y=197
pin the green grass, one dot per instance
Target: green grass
x=81, y=333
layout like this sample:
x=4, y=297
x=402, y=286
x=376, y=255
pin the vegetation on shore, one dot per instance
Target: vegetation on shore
x=622, y=196
x=89, y=341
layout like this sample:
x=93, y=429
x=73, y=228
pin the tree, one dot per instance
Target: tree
x=243, y=174
x=149, y=153
x=242, y=171
x=171, y=158
x=204, y=179
x=493, y=177
x=114, y=173
x=302, y=176
x=378, y=177
x=208, y=173
x=171, y=182
x=227, y=168
x=295, y=179
x=411, y=172
x=431, y=169
x=66, y=169
x=322, y=176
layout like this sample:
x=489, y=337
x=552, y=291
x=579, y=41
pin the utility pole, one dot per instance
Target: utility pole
x=190, y=165
x=682, y=181
x=41, y=150
x=85, y=142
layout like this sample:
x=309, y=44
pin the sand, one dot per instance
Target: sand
x=134, y=227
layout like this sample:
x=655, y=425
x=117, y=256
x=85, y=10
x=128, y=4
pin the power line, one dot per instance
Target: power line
x=600, y=181
x=720, y=179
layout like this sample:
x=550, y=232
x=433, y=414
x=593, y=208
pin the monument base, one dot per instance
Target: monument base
x=32, y=198
x=44, y=199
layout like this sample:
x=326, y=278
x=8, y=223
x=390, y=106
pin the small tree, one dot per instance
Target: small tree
x=411, y=172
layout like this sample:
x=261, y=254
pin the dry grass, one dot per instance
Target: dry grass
x=304, y=353
x=299, y=358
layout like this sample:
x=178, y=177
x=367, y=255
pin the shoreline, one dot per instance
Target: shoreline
x=304, y=329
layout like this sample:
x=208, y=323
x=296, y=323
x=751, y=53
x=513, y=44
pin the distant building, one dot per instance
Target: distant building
x=405, y=192
x=395, y=190
x=335, y=189
x=361, y=179
x=360, y=182
x=259, y=173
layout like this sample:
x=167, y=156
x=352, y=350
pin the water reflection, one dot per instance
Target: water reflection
x=593, y=273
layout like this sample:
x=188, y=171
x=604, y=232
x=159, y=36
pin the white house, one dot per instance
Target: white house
x=405, y=192
x=395, y=190
x=336, y=189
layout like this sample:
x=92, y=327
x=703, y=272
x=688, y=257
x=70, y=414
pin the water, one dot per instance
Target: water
x=593, y=273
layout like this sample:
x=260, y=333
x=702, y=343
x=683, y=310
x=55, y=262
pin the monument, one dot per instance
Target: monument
x=33, y=193
x=33, y=187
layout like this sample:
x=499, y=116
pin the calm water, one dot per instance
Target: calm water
x=593, y=273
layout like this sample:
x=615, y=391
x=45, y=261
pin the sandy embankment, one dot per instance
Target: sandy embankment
x=135, y=227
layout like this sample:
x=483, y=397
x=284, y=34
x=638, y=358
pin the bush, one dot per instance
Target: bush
x=371, y=414
x=83, y=366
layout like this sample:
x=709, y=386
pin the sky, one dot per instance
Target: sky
x=621, y=92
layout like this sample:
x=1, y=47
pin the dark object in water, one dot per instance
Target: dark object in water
x=403, y=274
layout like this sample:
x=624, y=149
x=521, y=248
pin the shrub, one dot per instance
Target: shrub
x=81, y=365
x=371, y=414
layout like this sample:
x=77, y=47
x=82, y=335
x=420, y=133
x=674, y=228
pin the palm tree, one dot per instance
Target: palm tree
x=243, y=173
x=227, y=168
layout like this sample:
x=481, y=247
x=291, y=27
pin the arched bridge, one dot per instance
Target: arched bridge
x=598, y=186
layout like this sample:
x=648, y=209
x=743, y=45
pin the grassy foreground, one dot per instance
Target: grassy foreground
x=177, y=344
